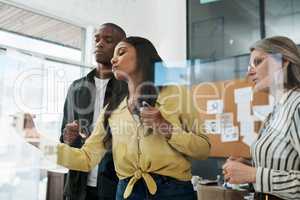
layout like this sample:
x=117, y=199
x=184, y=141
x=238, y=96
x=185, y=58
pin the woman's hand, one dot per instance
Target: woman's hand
x=240, y=159
x=152, y=118
x=236, y=172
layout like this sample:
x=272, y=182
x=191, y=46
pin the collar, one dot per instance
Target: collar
x=285, y=96
x=90, y=76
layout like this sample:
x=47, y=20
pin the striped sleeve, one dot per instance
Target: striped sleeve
x=281, y=183
x=278, y=182
x=295, y=130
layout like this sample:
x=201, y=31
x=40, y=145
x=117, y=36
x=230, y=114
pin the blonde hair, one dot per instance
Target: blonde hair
x=289, y=52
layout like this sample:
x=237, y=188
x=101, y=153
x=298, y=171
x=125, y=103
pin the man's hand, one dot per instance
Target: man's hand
x=71, y=132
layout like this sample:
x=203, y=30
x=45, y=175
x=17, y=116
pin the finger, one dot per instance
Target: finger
x=144, y=114
x=68, y=139
x=232, y=181
x=83, y=135
x=242, y=160
x=232, y=158
x=148, y=115
x=142, y=109
x=75, y=122
x=225, y=165
x=148, y=120
x=72, y=128
x=148, y=124
x=149, y=112
x=71, y=132
x=71, y=135
x=226, y=178
x=72, y=125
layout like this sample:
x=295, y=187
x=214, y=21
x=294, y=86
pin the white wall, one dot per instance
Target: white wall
x=161, y=21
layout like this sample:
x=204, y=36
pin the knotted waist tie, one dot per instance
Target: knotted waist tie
x=151, y=185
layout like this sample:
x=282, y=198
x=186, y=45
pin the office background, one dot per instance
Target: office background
x=45, y=45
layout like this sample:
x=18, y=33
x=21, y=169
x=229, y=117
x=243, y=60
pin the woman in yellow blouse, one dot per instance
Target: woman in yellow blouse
x=152, y=151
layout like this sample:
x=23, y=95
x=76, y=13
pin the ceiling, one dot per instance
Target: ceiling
x=27, y=23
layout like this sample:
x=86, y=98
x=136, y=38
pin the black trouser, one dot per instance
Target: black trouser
x=92, y=194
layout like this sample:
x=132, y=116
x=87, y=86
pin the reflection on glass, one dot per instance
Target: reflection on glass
x=225, y=69
x=223, y=28
x=171, y=73
x=32, y=93
x=19, y=167
x=282, y=18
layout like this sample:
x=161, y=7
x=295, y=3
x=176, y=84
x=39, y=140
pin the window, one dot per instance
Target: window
x=38, y=46
x=222, y=28
x=282, y=18
x=39, y=58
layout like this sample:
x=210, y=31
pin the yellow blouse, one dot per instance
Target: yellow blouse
x=137, y=155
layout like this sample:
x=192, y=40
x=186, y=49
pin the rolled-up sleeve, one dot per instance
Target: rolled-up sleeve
x=188, y=136
x=193, y=144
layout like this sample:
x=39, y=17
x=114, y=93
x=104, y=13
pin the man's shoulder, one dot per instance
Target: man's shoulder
x=85, y=79
x=80, y=80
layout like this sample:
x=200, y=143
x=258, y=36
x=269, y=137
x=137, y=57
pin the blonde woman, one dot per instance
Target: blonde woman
x=274, y=67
